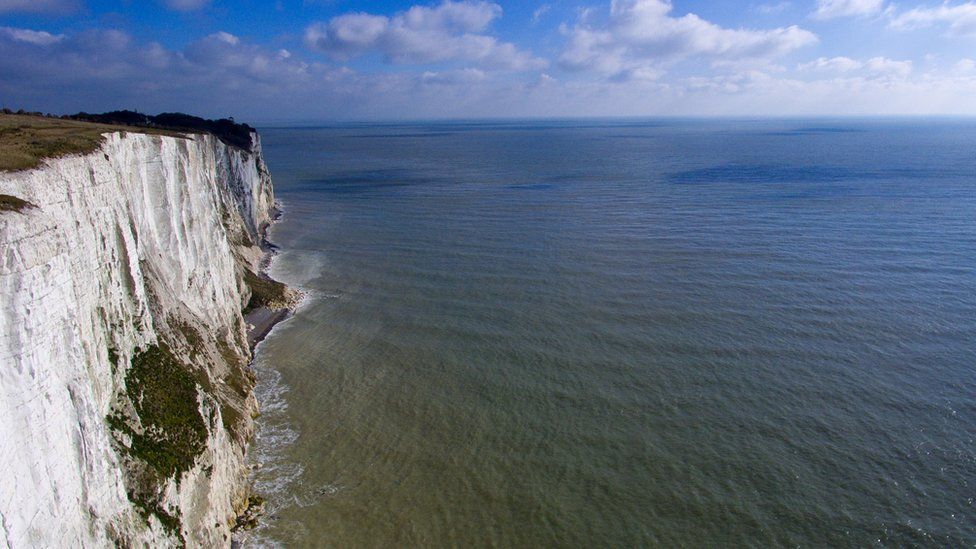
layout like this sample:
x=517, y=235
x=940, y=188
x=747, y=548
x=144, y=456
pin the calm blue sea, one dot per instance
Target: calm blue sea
x=623, y=333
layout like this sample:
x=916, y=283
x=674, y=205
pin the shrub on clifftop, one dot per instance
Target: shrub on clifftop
x=225, y=129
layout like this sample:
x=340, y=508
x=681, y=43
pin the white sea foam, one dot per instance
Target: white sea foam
x=273, y=473
x=297, y=270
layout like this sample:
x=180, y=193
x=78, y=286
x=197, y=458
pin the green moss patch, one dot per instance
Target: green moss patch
x=172, y=436
x=265, y=292
x=171, y=524
x=191, y=336
x=157, y=423
x=10, y=203
x=164, y=395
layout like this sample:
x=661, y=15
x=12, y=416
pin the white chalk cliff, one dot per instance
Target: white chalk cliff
x=125, y=394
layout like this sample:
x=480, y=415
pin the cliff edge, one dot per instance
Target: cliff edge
x=126, y=398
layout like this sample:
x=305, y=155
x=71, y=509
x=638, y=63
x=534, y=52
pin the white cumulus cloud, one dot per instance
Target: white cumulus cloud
x=772, y=9
x=960, y=18
x=59, y=7
x=830, y=9
x=222, y=74
x=38, y=38
x=185, y=5
x=832, y=64
x=641, y=33
x=463, y=76
x=540, y=11
x=891, y=67
x=964, y=66
x=873, y=67
x=451, y=31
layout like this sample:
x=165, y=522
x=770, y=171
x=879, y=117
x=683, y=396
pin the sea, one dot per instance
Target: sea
x=622, y=333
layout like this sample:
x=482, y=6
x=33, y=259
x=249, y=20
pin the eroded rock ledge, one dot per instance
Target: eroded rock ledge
x=126, y=398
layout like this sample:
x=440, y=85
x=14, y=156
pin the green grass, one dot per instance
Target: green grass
x=26, y=140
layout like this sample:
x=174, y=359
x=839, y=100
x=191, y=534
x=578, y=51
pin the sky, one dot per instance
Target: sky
x=319, y=60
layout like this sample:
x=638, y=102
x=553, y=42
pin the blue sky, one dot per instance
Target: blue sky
x=333, y=59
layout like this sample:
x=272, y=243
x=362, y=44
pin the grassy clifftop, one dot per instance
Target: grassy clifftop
x=26, y=140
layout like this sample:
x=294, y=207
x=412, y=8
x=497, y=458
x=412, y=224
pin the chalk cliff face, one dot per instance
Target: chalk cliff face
x=125, y=395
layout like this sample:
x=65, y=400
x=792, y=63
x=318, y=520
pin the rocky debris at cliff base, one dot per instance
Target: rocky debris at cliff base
x=247, y=520
x=271, y=302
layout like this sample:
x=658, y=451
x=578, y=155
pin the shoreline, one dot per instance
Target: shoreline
x=259, y=322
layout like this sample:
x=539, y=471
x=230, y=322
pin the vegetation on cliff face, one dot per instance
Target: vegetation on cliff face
x=240, y=380
x=157, y=421
x=10, y=203
x=265, y=292
x=168, y=433
x=147, y=508
x=164, y=395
